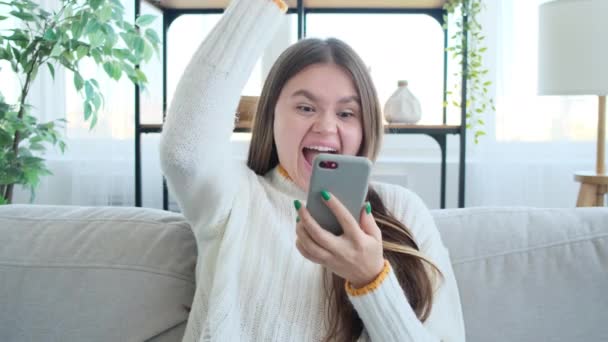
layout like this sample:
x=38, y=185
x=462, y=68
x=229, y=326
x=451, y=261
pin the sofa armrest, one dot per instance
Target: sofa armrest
x=94, y=274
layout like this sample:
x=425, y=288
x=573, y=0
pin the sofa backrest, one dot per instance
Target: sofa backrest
x=94, y=274
x=127, y=274
x=530, y=274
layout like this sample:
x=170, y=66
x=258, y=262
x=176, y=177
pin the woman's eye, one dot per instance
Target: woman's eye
x=305, y=109
x=345, y=114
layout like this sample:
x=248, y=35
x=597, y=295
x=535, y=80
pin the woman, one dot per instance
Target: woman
x=265, y=271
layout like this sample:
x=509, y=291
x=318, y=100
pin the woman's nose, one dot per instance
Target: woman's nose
x=325, y=123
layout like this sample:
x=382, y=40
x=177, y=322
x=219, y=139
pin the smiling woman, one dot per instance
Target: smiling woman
x=317, y=111
x=277, y=275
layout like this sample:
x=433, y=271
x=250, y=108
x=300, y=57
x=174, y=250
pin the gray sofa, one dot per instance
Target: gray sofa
x=127, y=274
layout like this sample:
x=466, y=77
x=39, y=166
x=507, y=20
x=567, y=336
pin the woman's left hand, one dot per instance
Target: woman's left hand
x=356, y=255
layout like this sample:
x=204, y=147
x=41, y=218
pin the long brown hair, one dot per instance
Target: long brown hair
x=412, y=269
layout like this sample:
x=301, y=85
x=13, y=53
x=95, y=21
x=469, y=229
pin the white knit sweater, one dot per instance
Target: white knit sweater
x=252, y=283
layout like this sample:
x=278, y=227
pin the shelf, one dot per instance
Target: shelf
x=368, y=4
x=422, y=129
x=245, y=127
x=150, y=128
x=245, y=112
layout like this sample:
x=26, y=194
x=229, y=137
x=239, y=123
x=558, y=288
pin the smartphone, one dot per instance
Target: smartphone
x=346, y=177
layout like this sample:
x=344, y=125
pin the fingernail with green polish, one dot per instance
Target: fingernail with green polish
x=297, y=204
x=368, y=208
x=325, y=195
x=297, y=219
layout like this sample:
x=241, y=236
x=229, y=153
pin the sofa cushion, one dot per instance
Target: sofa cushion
x=94, y=274
x=530, y=274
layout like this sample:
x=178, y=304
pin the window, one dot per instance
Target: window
x=521, y=114
x=395, y=47
x=188, y=31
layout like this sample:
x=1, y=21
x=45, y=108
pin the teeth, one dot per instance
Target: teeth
x=321, y=148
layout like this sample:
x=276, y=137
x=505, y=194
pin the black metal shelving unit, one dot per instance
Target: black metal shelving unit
x=172, y=9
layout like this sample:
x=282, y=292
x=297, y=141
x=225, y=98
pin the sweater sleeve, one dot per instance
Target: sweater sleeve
x=386, y=312
x=195, y=148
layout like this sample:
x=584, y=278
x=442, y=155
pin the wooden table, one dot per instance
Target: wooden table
x=593, y=189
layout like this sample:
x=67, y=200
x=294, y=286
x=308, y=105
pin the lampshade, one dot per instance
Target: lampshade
x=573, y=48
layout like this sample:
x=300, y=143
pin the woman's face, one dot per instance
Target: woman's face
x=317, y=111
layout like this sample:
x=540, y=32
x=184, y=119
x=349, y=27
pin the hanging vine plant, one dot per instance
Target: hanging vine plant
x=466, y=45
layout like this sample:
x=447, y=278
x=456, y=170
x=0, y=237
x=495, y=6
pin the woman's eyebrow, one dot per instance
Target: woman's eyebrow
x=306, y=94
x=310, y=96
x=353, y=98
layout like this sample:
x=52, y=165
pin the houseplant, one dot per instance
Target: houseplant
x=467, y=45
x=79, y=29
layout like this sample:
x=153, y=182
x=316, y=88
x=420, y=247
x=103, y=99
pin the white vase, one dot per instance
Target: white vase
x=402, y=106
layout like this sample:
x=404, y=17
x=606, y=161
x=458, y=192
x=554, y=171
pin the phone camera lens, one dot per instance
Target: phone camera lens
x=323, y=164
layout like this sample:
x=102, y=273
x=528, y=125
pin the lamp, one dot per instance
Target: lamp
x=573, y=60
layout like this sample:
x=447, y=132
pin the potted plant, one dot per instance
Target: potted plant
x=79, y=29
x=467, y=44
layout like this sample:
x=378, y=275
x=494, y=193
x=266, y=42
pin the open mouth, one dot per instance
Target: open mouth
x=310, y=152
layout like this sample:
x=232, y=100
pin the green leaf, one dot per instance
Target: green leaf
x=145, y=20
x=57, y=50
x=50, y=35
x=105, y=13
x=34, y=71
x=89, y=90
x=96, y=101
x=479, y=134
x=92, y=26
x=118, y=4
x=127, y=38
x=93, y=122
x=51, y=69
x=94, y=82
x=139, y=45
x=152, y=36
x=43, y=14
x=2, y=17
x=95, y=4
x=108, y=67
x=109, y=32
x=113, y=70
x=87, y=110
x=141, y=77
x=62, y=146
x=5, y=54
x=78, y=26
x=18, y=35
x=37, y=147
x=148, y=52
x=78, y=81
x=23, y=16
x=96, y=38
x=96, y=55
x=81, y=51
x=121, y=53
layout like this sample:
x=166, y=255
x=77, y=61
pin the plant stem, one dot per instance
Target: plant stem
x=24, y=91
